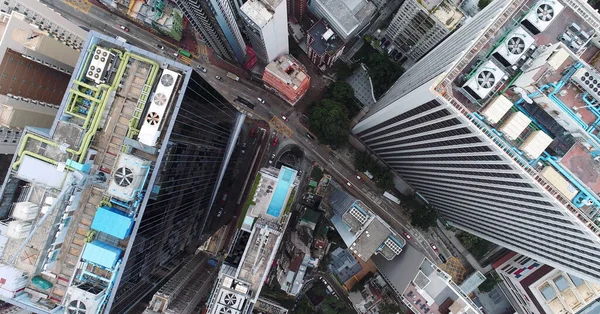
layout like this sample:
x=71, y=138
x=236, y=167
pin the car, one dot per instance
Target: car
x=220, y=212
x=161, y=47
x=260, y=100
x=123, y=27
x=253, y=132
x=284, y=118
x=442, y=258
x=434, y=247
x=275, y=140
x=359, y=178
x=201, y=68
x=271, y=159
x=309, y=136
x=223, y=198
x=219, y=78
x=348, y=183
x=175, y=54
x=406, y=235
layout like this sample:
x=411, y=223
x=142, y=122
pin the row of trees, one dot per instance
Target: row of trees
x=383, y=177
x=423, y=217
x=329, y=118
x=477, y=246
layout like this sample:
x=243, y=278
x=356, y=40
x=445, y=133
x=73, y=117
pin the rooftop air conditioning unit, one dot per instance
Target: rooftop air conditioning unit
x=589, y=81
x=541, y=15
x=514, y=48
x=484, y=80
x=128, y=177
x=83, y=299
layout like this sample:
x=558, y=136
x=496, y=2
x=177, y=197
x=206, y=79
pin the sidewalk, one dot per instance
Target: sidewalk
x=454, y=243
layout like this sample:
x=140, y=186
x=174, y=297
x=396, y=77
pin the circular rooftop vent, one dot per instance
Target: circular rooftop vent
x=587, y=74
x=545, y=12
x=76, y=307
x=123, y=177
x=98, y=51
x=516, y=45
x=167, y=80
x=225, y=311
x=160, y=99
x=152, y=118
x=486, y=79
x=230, y=299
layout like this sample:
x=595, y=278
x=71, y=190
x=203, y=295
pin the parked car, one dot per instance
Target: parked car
x=201, y=68
x=219, y=78
x=284, y=118
x=406, y=235
x=442, y=258
x=260, y=100
x=271, y=159
x=434, y=247
x=275, y=140
x=123, y=27
x=309, y=136
x=359, y=178
x=348, y=183
x=175, y=54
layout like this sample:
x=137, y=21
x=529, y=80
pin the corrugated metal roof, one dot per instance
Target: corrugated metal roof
x=112, y=221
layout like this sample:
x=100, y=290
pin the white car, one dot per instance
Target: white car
x=262, y=101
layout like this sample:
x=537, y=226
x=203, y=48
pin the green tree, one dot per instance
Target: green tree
x=385, y=181
x=423, y=217
x=490, y=282
x=340, y=91
x=332, y=305
x=383, y=71
x=343, y=70
x=367, y=39
x=390, y=308
x=468, y=239
x=316, y=173
x=483, y=3
x=362, y=161
x=329, y=120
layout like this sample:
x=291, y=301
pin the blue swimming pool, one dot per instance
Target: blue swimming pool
x=286, y=177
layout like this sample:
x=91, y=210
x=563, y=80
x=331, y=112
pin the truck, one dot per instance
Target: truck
x=184, y=53
x=119, y=38
x=233, y=76
x=391, y=197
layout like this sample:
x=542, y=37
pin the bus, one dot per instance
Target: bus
x=233, y=76
x=185, y=53
x=391, y=197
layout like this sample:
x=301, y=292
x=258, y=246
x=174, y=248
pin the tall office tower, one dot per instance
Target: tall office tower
x=347, y=18
x=215, y=21
x=495, y=127
x=35, y=67
x=98, y=209
x=296, y=9
x=419, y=26
x=266, y=21
x=534, y=288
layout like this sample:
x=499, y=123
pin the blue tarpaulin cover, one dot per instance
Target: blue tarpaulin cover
x=101, y=254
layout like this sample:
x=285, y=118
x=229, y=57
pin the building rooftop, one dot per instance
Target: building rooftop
x=324, y=39
x=448, y=13
x=534, y=82
x=343, y=264
x=258, y=12
x=349, y=14
x=66, y=193
x=371, y=239
x=288, y=70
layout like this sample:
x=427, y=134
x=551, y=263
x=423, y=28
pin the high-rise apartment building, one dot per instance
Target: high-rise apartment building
x=347, y=18
x=495, y=128
x=535, y=288
x=420, y=25
x=296, y=9
x=324, y=46
x=36, y=61
x=215, y=21
x=267, y=28
x=97, y=210
x=287, y=78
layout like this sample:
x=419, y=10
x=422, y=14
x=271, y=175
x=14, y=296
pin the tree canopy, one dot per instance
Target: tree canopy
x=332, y=305
x=329, y=121
x=390, y=308
x=383, y=72
x=423, y=217
x=385, y=181
x=483, y=3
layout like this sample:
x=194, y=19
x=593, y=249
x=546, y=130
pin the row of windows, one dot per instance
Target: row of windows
x=491, y=188
x=487, y=181
x=458, y=141
x=516, y=241
x=474, y=149
x=430, y=117
x=465, y=173
x=422, y=108
x=427, y=128
x=422, y=138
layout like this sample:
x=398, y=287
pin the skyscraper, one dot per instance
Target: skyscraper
x=419, y=26
x=98, y=209
x=266, y=22
x=215, y=21
x=495, y=127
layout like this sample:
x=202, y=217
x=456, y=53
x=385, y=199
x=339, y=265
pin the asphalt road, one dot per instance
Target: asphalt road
x=105, y=22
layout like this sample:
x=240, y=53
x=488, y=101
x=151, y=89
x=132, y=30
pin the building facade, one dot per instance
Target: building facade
x=287, y=78
x=324, y=46
x=468, y=150
x=267, y=28
x=215, y=20
x=296, y=9
x=138, y=144
x=535, y=288
x=347, y=18
x=418, y=26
